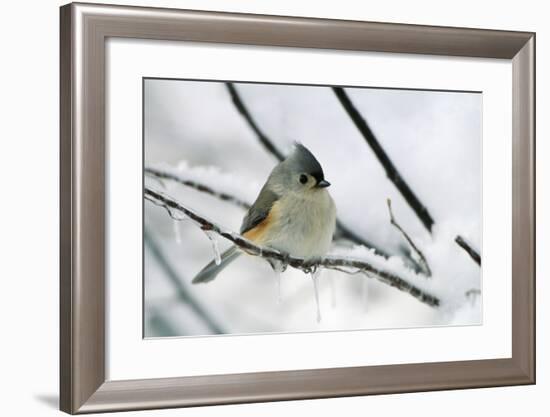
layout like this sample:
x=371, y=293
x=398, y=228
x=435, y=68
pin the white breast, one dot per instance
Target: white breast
x=305, y=226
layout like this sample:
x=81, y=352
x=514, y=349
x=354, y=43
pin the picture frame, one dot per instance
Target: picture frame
x=84, y=29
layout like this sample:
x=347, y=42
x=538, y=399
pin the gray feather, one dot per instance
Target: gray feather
x=259, y=210
x=211, y=271
x=303, y=160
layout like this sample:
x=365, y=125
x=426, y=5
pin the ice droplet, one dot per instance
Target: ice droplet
x=214, y=241
x=315, y=278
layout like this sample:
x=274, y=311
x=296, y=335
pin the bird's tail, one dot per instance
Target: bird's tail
x=211, y=271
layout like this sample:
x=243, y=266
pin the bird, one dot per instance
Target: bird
x=293, y=213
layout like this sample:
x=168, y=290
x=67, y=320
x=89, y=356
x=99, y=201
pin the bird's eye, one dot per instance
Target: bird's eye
x=303, y=178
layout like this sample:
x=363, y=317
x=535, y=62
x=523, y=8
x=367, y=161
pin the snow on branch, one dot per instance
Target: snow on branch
x=342, y=264
x=199, y=186
x=469, y=250
x=391, y=171
x=422, y=261
x=342, y=231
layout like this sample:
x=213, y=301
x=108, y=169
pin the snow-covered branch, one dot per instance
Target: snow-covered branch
x=469, y=250
x=391, y=171
x=422, y=261
x=342, y=264
x=199, y=186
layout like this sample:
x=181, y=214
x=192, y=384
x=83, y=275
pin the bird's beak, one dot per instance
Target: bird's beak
x=323, y=184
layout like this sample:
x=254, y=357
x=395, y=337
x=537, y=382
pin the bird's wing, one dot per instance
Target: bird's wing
x=259, y=210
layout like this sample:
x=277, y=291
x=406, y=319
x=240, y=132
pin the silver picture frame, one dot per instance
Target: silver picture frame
x=84, y=29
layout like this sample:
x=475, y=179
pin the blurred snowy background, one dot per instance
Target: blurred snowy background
x=193, y=129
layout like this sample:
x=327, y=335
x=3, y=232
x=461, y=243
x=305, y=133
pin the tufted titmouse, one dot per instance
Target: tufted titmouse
x=293, y=213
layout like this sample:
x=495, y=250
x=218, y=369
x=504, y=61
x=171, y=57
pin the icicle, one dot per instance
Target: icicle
x=315, y=278
x=279, y=267
x=212, y=237
x=177, y=218
x=177, y=231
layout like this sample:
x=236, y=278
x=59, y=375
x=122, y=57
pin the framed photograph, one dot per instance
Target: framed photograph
x=260, y=208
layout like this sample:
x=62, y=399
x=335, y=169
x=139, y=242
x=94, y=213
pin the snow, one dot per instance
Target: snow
x=434, y=139
x=212, y=176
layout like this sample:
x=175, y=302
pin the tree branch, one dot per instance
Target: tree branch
x=422, y=259
x=246, y=114
x=391, y=171
x=182, y=292
x=328, y=262
x=469, y=250
x=342, y=232
x=198, y=186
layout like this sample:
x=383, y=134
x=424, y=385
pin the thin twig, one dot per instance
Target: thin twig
x=156, y=173
x=246, y=114
x=181, y=291
x=422, y=259
x=342, y=232
x=328, y=262
x=391, y=171
x=469, y=250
